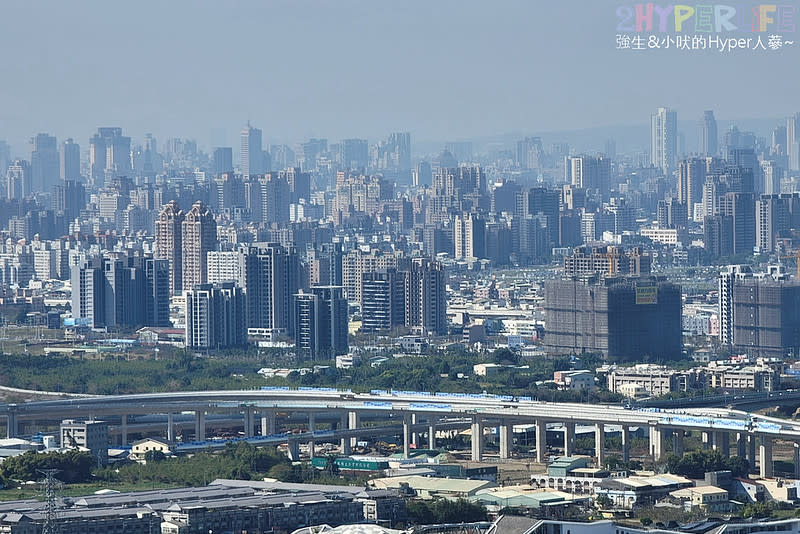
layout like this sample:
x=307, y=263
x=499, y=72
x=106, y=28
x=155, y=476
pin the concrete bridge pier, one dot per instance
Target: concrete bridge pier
x=506, y=437
x=293, y=450
x=171, y=427
x=600, y=443
x=311, y=424
x=796, y=460
x=200, y=425
x=406, y=435
x=344, y=443
x=432, y=433
x=626, y=443
x=123, y=429
x=741, y=444
x=12, y=428
x=706, y=439
x=751, y=450
x=677, y=442
x=414, y=433
x=569, y=438
x=477, y=439
x=765, y=467
x=656, y=442
x=248, y=421
x=353, y=422
x=541, y=441
x=268, y=426
x=722, y=443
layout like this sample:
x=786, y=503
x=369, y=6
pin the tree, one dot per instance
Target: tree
x=603, y=501
x=154, y=456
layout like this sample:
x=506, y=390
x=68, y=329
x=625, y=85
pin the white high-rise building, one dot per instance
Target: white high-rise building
x=664, y=139
x=727, y=279
x=252, y=152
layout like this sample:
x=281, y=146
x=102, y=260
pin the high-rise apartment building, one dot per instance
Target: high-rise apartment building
x=269, y=274
x=216, y=316
x=727, y=280
x=169, y=243
x=426, y=300
x=469, y=235
x=741, y=208
x=113, y=291
x=322, y=321
x=199, y=236
x=691, y=177
x=776, y=217
x=69, y=198
x=664, y=139
x=590, y=172
x=383, y=300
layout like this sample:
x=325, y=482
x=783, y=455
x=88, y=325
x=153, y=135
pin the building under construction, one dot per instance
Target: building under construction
x=624, y=318
x=606, y=260
x=766, y=317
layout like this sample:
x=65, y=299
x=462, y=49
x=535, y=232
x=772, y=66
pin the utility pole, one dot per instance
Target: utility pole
x=51, y=486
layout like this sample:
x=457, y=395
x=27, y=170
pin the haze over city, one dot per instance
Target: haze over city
x=442, y=70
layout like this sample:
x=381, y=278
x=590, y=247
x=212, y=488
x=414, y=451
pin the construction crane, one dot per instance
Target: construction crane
x=796, y=257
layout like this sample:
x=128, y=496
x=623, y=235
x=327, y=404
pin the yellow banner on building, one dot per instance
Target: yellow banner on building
x=647, y=295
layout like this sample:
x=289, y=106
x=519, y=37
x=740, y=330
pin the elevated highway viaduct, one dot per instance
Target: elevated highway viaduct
x=752, y=435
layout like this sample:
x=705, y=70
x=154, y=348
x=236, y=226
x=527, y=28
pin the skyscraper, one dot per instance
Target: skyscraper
x=793, y=141
x=199, y=236
x=169, y=243
x=109, y=155
x=664, y=139
x=223, y=160
x=708, y=134
x=70, y=160
x=354, y=153
x=321, y=318
x=44, y=162
x=252, y=152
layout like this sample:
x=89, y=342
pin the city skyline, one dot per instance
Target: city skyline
x=338, y=88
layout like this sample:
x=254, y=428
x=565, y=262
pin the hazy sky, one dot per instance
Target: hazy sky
x=442, y=69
